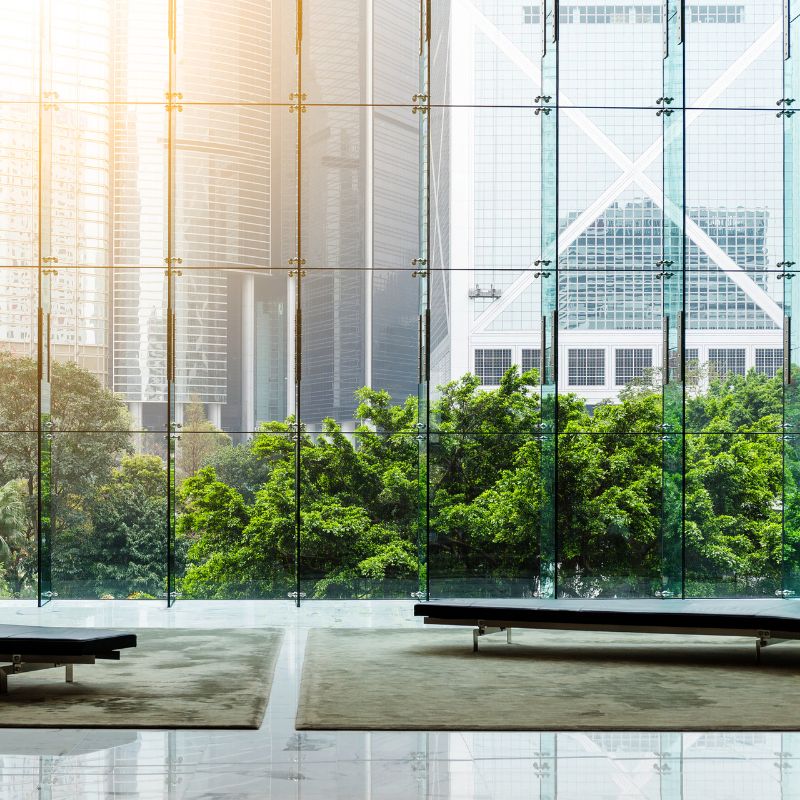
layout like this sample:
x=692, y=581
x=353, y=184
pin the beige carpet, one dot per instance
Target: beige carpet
x=429, y=679
x=174, y=679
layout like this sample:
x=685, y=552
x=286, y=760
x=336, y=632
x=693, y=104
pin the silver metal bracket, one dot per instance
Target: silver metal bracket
x=488, y=630
x=765, y=639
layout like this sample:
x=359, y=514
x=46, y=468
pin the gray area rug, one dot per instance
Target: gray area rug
x=429, y=679
x=174, y=678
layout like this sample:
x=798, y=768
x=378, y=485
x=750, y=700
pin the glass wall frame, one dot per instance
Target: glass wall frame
x=397, y=216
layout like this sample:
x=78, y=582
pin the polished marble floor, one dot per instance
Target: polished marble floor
x=279, y=762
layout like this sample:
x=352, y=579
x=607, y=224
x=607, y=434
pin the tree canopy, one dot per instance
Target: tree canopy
x=383, y=507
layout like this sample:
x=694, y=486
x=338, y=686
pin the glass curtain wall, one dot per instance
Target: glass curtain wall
x=359, y=299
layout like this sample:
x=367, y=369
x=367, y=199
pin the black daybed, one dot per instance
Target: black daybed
x=768, y=621
x=26, y=648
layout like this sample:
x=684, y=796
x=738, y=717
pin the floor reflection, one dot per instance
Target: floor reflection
x=279, y=762
x=563, y=766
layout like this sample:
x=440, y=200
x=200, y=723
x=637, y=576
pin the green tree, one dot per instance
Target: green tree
x=198, y=442
x=349, y=544
x=126, y=551
x=240, y=468
x=13, y=524
x=90, y=430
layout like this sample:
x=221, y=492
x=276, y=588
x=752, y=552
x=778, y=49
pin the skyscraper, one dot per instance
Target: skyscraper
x=610, y=195
x=63, y=156
x=360, y=205
x=224, y=174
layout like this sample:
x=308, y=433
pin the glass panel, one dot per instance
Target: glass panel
x=139, y=337
x=610, y=350
x=20, y=41
x=610, y=54
x=791, y=516
x=80, y=349
x=45, y=409
x=733, y=514
x=360, y=328
x=360, y=53
x=97, y=51
x=139, y=183
x=240, y=51
x=358, y=507
x=486, y=247
x=249, y=550
x=361, y=192
x=486, y=166
x=609, y=514
x=235, y=185
x=18, y=517
x=730, y=388
x=487, y=54
x=109, y=370
x=18, y=349
x=734, y=292
x=231, y=348
x=735, y=181
x=80, y=41
x=19, y=165
x=424, y=174
x=734, y=54
x=485, y=501
x=80, y=181
x=109, y=499
x=610, y=191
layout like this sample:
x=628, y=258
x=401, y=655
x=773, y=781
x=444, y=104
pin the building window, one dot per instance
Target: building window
x=587, y=367
x=491, y=364
x=769, y=361
x=631, y=363
x=530, y=15
x=724, y=361
x=618, y=14
x=692, y=356
x=716, y=14
x=531, y=359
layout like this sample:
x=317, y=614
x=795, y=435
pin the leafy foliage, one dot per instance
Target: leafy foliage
x=363, y=495
x=90, y=431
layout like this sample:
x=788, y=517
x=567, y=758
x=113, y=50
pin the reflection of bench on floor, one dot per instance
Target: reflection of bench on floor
x=767, y=620
x=27, y=648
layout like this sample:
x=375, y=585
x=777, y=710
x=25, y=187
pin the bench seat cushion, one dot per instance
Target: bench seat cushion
x=41, y=640
x=728, y=614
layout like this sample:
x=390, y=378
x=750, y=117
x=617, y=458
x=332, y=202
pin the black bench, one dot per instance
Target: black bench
x=27, y=648
x=767, y=620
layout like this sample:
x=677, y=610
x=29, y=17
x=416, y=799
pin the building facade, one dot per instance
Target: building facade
x=611, y=201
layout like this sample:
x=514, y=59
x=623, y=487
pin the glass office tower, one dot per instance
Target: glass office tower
x=610, y=227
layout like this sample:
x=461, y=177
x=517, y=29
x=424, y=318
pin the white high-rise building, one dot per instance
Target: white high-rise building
x=486, y=155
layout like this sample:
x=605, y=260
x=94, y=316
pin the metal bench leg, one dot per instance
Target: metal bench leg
x=486, y=630
x=765, y=638
x=68, y=668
